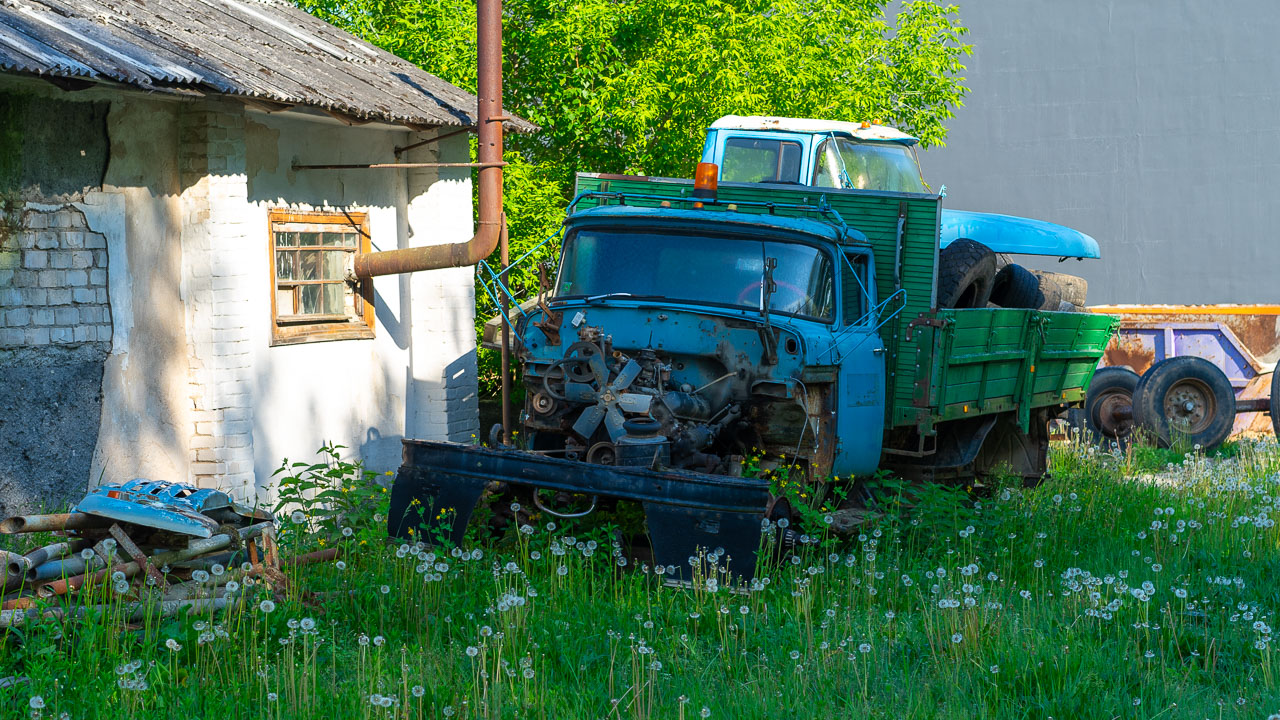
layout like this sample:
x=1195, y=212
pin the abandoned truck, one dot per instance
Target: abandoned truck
x=696, y=329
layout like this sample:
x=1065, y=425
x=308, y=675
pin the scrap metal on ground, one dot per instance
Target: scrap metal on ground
x=151, y=542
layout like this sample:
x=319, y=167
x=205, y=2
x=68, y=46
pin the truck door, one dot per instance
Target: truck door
x=860, y=356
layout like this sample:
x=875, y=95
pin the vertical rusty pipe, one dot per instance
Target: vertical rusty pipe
x=489, y=119
x=506, y=337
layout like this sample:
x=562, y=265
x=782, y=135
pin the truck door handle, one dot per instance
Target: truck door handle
x=877, y=351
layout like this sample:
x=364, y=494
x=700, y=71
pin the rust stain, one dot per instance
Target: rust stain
x=1128, y=350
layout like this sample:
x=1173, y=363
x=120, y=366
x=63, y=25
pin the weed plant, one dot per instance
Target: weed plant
x=1126, y=585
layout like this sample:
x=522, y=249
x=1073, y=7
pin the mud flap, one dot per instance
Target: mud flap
x=683, y=537
x=429, y=506
x=688, y=514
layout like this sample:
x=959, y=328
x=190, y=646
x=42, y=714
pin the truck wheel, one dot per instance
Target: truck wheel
x=1275, y=400
x=1015, y=287
x=1187, y=397
x=1071, y=288
x=966, y=270
x=1108, y=404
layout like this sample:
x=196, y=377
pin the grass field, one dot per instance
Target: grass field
x=1137, y=586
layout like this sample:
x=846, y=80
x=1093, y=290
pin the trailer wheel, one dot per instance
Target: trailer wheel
x=1108, y=404
x=966, y=270
x=1187, y=397
x=1275, y=400
x=1016, y=287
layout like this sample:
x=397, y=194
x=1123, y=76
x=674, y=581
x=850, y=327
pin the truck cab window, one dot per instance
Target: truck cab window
x=854, y=286
x=756, y=160
x=868, y=166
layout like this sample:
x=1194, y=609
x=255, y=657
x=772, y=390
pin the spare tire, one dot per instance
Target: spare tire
x=966, y=271
x=1016, y=287
x=1186, y=396
x=1071, y=288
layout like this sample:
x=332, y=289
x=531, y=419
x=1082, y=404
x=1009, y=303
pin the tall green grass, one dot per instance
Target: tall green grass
x=1124, y=586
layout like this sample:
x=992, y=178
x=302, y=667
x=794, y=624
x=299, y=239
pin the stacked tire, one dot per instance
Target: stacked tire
x=970, y=275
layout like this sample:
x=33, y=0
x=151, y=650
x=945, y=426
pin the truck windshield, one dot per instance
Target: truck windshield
x=695, y=268
x=869, y=166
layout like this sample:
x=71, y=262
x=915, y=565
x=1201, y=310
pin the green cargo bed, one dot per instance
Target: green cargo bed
x=976, y=362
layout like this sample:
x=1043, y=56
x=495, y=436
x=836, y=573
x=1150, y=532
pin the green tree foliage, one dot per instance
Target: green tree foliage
x=629, y=86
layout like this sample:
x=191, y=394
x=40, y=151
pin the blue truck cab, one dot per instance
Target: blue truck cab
x=714, y=324
x=864, y=156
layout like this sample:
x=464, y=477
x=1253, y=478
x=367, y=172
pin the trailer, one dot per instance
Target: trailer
x=1213, y=368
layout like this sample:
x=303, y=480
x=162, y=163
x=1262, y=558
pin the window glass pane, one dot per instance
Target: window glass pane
x=286, y=239
x=309, y=299
x=334, y=300
x=339, y=239
x=284, y=301
x=755, y=160
x=309, y=260
x=285, y=268
x=335, y=265
x=309, y=238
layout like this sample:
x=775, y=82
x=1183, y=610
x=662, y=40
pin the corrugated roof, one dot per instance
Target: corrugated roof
x=263, y=49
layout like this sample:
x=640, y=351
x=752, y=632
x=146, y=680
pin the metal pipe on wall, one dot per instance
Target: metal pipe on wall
x=491, y=225
x=489, y=119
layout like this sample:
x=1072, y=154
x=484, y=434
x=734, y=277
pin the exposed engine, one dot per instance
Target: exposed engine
x=642, y=407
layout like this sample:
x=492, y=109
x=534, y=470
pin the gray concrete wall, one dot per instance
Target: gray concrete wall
x=1152, y=125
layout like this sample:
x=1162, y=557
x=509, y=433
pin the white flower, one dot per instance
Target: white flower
x=340, y=565
x=200, y=576
x=308, y=624
x=232, y=586
x=272, y=697
x=384, y=589
x=706, y=711
x=378, y=640
x=87, y=554
x=418, y=691
x=36, y=702
x=172, y=645
x=957, y=638
x=122, y=587
x=472, y=651
x=347, y=532
x=217, y=570
x=864, y=648
x=267, y=606
x=994, y=669
x=363, y=640
x=298, y=517
x=117, y=576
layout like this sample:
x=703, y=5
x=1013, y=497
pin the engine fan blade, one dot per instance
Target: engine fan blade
x=626, y=375
x=634, y=402
x=588, y=421
x=580, y=392
x=613, y=423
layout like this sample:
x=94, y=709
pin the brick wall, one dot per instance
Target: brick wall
x=216, y=274
x=53, y=284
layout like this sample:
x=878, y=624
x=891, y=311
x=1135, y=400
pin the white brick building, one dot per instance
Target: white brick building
x=173, y=301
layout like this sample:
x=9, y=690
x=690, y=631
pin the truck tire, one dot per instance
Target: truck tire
x=1109, y=392
x=966, y=270
x=1015, y=287
x=1187, y=397
x=1275, y=400
x=1071, y=288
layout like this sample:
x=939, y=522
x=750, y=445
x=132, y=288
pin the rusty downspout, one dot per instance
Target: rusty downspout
x=491, y=223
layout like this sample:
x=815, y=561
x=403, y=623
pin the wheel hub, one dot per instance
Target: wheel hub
x=1189, y=406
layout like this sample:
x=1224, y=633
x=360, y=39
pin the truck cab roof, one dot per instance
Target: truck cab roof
x=865, y=132
x=726, y=220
